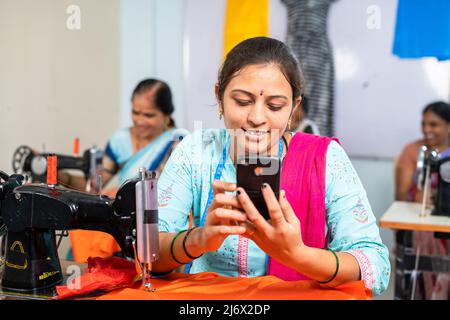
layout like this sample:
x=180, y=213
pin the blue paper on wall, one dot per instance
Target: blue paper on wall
x=422, y=29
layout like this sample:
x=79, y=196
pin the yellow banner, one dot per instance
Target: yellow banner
x=245, y=19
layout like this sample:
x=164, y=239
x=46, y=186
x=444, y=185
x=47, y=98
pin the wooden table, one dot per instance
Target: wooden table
x=403, y=215
x=404, y=218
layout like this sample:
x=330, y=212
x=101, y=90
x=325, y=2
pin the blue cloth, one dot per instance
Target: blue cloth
x=445, y=153
x=120, y=150
x=422, y=29
x=186, y=181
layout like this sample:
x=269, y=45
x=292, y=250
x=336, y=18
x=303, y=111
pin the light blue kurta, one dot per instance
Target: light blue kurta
x=185, y=184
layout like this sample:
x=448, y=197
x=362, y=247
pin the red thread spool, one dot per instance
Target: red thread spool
x=52, y=170
x=76, y=147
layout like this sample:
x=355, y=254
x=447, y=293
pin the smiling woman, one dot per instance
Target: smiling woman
x=436, y=135
x=260, y=92
x=259, y=86
x=147, y=143
x=256, y=120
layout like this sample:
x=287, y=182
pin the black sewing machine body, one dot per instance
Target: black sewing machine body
x=34, y=164
x=442, y=196
x=431, y=162
x=33, y=212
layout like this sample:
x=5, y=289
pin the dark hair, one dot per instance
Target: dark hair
x=163, y=96
x=304, y=105
x=439, y=108
x=261, y=50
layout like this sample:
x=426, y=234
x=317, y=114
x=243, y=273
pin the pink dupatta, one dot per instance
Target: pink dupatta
x=303, y=179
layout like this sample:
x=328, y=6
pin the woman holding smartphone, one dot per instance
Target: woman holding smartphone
x=321, y=227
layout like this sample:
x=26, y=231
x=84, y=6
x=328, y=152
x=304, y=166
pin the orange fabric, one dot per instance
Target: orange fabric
x=111, y=192
x=87, y=244
x=114, y=273
x=103, y=274
x=211, y=286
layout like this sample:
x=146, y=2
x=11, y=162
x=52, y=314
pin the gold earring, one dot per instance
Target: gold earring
x=289, y=124
x=220, y=113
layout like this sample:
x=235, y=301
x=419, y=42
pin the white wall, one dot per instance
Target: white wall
x=151, y=46
x=379, y=97
x=57, y=84
x=136, y=52
x=203, y=36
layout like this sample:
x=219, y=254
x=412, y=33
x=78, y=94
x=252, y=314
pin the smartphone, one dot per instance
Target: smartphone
x=252, y=172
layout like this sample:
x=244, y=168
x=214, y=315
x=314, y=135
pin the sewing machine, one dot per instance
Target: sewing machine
x=431, y=162
x=442, y=196
x=34, y=164
x=32, y=212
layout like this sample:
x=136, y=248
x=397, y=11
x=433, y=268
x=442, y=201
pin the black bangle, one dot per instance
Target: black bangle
x=337, y=268
x=172, y=245
x=184, y=244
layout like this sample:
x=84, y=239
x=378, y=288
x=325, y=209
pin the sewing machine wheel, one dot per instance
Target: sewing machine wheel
x=19, y=157
x=39, y=165
x=444, y=171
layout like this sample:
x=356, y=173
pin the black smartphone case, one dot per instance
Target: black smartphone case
x=252, y=172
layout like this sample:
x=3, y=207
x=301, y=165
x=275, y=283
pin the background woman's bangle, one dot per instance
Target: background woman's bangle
x=184, y=244
x=337, y=268
x=172, y=244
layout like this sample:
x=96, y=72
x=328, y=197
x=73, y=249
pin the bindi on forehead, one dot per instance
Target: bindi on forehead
x=261, y=92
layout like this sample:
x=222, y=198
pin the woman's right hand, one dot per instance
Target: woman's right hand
x=223, y=217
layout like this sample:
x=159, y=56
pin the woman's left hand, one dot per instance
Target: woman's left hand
x=280, y=237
